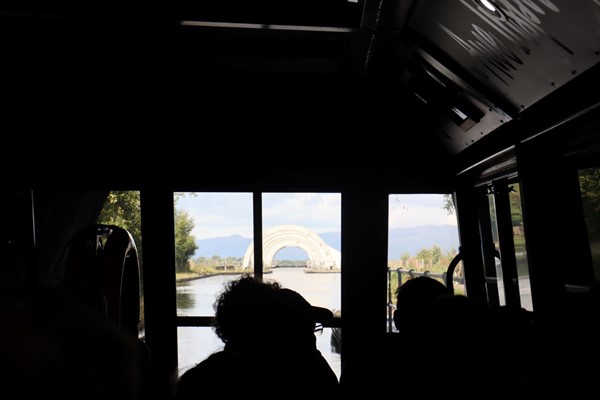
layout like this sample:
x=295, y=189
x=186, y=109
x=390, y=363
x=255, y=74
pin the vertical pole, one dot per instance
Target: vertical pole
x=160, y=302
x=258, y=234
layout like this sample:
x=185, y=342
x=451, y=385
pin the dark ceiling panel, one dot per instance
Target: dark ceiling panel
x=332, y=13
x=530, y=50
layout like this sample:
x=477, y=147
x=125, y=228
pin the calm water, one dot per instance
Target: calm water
x=195, y=298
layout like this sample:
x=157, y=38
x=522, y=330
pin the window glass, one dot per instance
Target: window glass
x=213, y=231
x=498, y=264
x=520, y=249
x=302, y=251
x=589, y=181
x=198, y=342
x=422, y=240
x=214, y=244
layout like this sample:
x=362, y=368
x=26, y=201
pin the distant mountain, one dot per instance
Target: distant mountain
x=230, y=246
x=411, y=240
x=401, y=240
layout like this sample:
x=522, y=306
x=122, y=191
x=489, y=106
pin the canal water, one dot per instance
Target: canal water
x=196, y=298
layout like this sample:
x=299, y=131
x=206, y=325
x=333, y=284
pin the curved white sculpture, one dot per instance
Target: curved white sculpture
x=321, y=256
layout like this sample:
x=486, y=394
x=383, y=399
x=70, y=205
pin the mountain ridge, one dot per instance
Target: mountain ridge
x=401, y=240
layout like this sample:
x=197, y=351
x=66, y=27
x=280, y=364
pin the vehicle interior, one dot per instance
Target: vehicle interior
x=359, y=97
x=443, y=78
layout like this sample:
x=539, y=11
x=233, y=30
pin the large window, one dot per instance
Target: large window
x=518, y=230
x=589, y=181
x=301, y=237
x=508, y=207
x=212, y=232
x=422, y=240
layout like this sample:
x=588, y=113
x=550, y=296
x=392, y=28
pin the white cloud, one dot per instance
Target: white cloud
x=320, y=212
x=226, y=214
x=407, y=211
x=219, y=214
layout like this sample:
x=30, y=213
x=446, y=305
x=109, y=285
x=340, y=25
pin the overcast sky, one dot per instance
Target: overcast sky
x=226, y=214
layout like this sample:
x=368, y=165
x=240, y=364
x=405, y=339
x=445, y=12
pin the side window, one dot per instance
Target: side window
x=508, y=236
x=212, y=234
x=518, y=232
x=589, y=182
x=422, y=240
x=214, y=240
x=302, y=251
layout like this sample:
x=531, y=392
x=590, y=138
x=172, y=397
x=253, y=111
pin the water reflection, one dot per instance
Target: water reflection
x=196, y=298
x=185, y=300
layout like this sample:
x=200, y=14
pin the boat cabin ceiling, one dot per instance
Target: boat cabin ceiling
x=322, y=89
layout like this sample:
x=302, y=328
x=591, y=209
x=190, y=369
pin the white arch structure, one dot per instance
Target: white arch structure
x=321, y=256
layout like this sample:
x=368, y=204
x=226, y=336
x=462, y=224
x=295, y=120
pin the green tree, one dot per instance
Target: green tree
x=185, y=242
x=201, y=261
x=589, y=180
x=448, y=204
x=216, y=260
x=405, y=257
x=516, y=212
x=426, y=256
x=436, y=254
x=122, y=208
x=451, y=253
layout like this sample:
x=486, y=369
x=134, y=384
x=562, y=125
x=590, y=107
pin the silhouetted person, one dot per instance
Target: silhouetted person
x=100, y=277
x=412, y=348
x=54, y=346
x=403, y=358
x=495, y=351
x=152, y=386
x=413, y=300
x=270, y=346
x=570, y=355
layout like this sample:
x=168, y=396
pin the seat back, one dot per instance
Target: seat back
x=103, y=269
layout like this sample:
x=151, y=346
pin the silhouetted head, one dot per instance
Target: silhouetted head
x=262, y=311
x=268, y=333
x=238, y=307
x=413, y=298
x=450, y=312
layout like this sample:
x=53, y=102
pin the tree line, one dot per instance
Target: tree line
x=122, y=208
